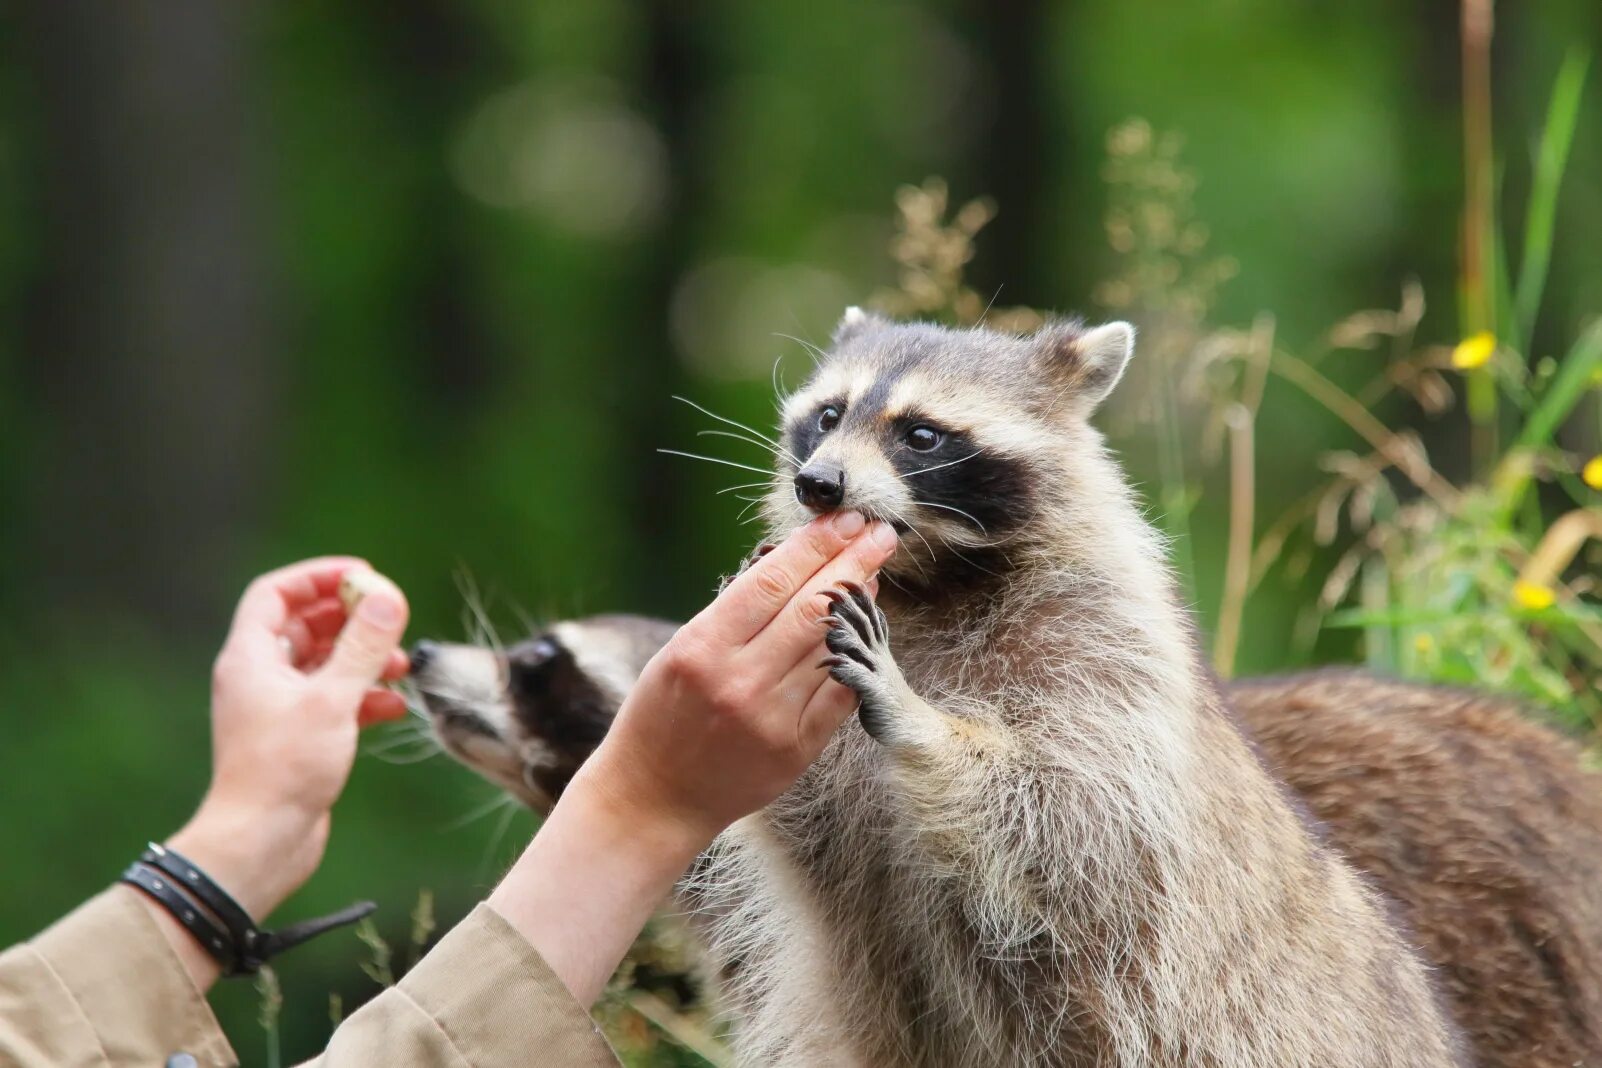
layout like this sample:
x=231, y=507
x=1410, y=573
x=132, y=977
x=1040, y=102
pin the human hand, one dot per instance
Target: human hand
x=292, y=686
x=730, y=712
x=737, y=705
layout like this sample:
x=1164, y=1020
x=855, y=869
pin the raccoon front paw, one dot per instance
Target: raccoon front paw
x=859, y=647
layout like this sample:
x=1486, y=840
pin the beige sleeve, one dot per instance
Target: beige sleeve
x=480, y=999
x=103, y=988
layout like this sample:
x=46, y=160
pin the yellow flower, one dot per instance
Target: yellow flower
x=1474, y=351
x=1533, y=595
x=1424, y=645
x=1592, y=472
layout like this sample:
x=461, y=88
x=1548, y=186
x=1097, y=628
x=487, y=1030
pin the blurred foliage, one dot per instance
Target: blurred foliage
x=418, y=283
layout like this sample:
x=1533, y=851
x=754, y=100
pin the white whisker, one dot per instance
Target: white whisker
x=731, y=422
x=959, y=511
x=713, y=460
x=779, y=452
x=941, y=467
x=743, y=486
x=817, y=353
x=754, y=502
x=780, y=393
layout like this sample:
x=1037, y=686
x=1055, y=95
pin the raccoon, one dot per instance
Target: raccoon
x=1050, y=843
x=1481, y=827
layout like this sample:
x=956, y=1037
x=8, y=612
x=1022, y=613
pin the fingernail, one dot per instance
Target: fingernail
x=884, y=536
x=849, y=524
x=380, y=609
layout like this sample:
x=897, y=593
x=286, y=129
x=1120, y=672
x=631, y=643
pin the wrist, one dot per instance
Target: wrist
x=590, y=879
x=257, y=856
x=612, y=805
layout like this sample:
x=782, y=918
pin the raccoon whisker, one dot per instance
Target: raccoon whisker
x=892, y=580
x=778, y=451
x=817, y=353
x=387, y=757
x=527, y=621
x=509, y=810
x=743, y=486
x=733, y=422
x=476, y=621
x=958, y=554
x=714, y=460
x=414, y=701
x=941, y=467
x=904, y=521
x=741, y=517
x=959, y=511
x=396, y=742
x=780, y=393
x=991, y=303
x=478, y=812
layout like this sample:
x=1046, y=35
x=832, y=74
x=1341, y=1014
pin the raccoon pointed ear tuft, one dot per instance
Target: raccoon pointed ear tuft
x=1087, y=362
x=856, y=321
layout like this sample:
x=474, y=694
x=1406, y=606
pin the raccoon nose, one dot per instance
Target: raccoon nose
x=821, y=489
x=422, y=653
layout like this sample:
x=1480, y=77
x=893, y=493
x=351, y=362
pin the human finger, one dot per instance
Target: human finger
x=365, y=647
x=752, y=600
x=324, y=617
x=270, y=599
x=794, y=630
x=380, y=706
x=399, y=664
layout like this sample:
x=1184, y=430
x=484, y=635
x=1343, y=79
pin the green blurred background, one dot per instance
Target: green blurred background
x=417, y=281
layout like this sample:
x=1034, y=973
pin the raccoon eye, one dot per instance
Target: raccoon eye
x=829, y=418
x=924, y=438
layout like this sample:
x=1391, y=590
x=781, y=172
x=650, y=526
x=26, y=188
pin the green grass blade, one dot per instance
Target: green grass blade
x=1574, y=377
x=1576, y=374
x=1562, y=117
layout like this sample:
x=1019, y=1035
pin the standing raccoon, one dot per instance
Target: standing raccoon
x=1048, y=845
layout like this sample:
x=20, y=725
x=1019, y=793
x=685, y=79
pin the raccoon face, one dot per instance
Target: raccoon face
x=527, y=717
x=957, y=438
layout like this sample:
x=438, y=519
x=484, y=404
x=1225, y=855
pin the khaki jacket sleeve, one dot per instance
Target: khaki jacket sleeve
x=482, y=998
x=103, y=988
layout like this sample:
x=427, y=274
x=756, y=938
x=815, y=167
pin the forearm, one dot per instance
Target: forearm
x=588, y=882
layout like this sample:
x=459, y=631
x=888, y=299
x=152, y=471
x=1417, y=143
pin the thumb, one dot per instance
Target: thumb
x=370, y=636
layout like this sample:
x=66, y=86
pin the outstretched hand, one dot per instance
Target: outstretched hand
x=292, y=686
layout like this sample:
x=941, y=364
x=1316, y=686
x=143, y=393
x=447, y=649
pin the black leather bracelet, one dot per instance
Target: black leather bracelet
x=158, y=885
x=217, y=900
x=218, y=922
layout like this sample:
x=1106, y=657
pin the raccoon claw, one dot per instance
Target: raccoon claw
x=858, y=641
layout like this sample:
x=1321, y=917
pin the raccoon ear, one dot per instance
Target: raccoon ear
x=1088, y=362
x=856, y=321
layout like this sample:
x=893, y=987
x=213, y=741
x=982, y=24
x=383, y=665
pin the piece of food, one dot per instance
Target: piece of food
x=356, y=584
